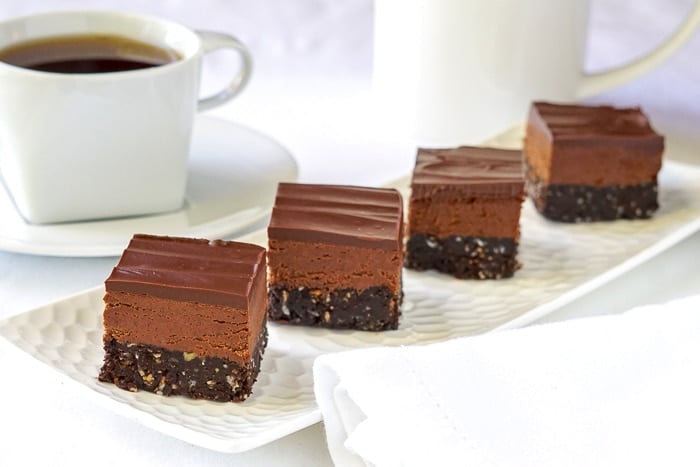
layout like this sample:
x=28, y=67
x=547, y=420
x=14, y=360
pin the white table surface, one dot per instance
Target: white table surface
x=311, y=91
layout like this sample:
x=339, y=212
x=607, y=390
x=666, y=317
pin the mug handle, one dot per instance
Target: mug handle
x=215, y=41
x=595, y=83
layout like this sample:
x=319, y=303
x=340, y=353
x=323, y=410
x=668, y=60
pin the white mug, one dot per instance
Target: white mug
x=100, y=145
x=455, y=72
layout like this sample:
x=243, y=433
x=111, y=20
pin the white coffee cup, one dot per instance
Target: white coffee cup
x=451, y=72
x=100, y=145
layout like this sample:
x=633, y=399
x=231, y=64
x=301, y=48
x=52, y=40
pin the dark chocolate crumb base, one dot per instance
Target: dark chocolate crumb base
x=584, y=203
x=372, y=309
x=463, y=257
x=135, y=367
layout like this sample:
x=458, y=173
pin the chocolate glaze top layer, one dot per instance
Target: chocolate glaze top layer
x=196, y=270
x=566, y=121
x=346, y=215
x=475, y=170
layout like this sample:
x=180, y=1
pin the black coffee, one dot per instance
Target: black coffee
x=87, y=54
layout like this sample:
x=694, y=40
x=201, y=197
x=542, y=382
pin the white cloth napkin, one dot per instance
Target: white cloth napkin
x=604, y=391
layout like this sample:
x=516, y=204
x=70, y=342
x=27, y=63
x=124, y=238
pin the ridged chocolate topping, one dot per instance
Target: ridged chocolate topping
x=346, y=215
x=214, y=272
x=566, y=121
x=475, y=170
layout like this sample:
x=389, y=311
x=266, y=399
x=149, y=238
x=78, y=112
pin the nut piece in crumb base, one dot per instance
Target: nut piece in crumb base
x=186, y=317
x=335, y=257
x=592, y=163
x=464, y=212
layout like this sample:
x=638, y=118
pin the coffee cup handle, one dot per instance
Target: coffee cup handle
x=212, y=41
x=595, y=83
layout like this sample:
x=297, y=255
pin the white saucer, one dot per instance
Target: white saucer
x=233, y=176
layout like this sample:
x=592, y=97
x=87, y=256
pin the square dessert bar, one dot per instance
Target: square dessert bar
x=464, y=212
x=592, y=163
x=186, y=317
x=335, y=255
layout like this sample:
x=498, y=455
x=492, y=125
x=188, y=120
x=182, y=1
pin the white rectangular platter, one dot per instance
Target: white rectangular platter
x=560, y=263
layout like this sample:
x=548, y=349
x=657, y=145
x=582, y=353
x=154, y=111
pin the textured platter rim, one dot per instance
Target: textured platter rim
x=315, y=342
x=585, y=288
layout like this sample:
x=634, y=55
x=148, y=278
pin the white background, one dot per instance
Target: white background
x=311, y=91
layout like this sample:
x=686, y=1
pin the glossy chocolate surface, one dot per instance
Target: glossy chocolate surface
x=473, y=170
x=345, y=215
x=195, y=270
x=566, y=121
x=592, y=145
